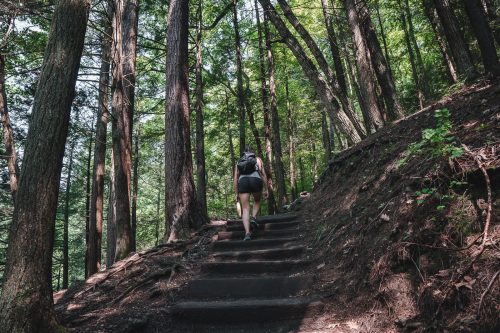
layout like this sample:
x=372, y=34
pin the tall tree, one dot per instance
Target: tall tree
x=484, y=36
x=182, y=209
x=26, y=302
x=201, y=175
x=93, y=254
x=458, y=46
x=323, y=88
x=124, y=59
x=8, y=136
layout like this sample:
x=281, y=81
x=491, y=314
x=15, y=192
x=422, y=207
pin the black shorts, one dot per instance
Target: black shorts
x=250, y=185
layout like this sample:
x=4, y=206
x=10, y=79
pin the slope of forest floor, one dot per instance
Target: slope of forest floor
x=394, y=234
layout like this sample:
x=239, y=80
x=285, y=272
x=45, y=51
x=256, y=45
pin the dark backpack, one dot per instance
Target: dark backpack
x=247, y=163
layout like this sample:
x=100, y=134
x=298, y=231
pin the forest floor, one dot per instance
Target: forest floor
x=393, y=231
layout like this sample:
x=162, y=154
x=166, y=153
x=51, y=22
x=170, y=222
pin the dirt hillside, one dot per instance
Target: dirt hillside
x=394, y=232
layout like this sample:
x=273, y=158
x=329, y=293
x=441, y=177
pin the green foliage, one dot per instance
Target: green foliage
x=438, y=141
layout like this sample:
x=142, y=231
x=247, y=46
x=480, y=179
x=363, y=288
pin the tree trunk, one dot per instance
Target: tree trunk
x=482, y=31
x=67, y=198
x=239, y=78
x=318, y=82
x=279, y=169
x=26, y=302
x=111, y=223
x=8, y=136
x=367, y=83
x=201, y=177
x=430, y=12
x=97, y=201
x=458, y=46
x=271, y=203
x=135, y=187
x=301, y=171
x=230, y=134
x=381, y=69
x=334, y=47
x=124, y=56
x=182, y=210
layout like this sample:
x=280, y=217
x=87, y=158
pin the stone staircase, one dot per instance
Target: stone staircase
x=250, y=286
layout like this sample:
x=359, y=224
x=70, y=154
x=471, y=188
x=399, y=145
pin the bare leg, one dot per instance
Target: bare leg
x=245, y=214
x=256, y=205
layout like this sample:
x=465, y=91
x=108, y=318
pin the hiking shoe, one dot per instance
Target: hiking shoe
x=247, y=237
x=254, y=223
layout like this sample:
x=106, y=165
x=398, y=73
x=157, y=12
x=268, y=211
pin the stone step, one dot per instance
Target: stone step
x=267, y=219
x=243, y=311
x=253, y=267
x=274, y=254
x=261, y=234
x=265, y=227
x=245, y=287
x=227, y=245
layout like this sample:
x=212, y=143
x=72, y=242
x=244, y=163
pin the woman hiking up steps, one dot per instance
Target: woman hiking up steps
x=249, y=178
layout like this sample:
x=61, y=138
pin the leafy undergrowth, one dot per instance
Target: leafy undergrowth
x=393, y=228
x=395, y=223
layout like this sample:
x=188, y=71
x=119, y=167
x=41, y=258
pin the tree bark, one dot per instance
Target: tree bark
x=182, y=210
x=201, y=177
x=271, y=202
x=279, y=169
x=67, y=198
x=26, y=302
x=320, y=85
x=484, y=36
x=124, y=56
x=458, y=46
x=8, y=135
x=93, y=258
